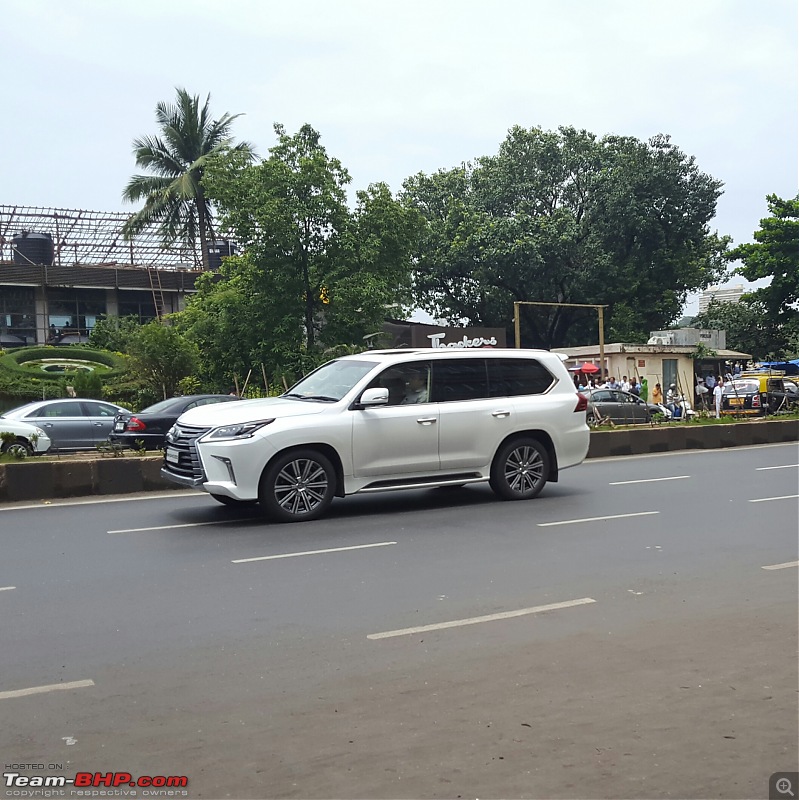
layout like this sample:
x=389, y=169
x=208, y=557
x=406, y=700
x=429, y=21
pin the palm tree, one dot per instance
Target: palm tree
x=174, y=196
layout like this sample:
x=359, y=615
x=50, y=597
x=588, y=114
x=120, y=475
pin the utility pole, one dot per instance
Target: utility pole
x=600, y=309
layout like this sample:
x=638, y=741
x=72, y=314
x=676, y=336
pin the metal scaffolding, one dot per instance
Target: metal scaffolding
x=93, y=238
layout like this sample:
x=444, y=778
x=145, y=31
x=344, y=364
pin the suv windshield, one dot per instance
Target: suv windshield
x=331, y=381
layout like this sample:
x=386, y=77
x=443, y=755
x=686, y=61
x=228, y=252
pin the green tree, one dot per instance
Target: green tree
x=161, y=357
x=114, y=333
x=775, y=254
x=564, y=217
x=174, y=196
x=750, y=327
x=313, y=273
x=86, y=384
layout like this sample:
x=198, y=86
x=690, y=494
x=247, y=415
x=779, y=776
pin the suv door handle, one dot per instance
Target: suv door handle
x=426, y=420
x=500, y=413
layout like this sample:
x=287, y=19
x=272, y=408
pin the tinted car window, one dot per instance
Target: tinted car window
x=511, y=377
x=100, y=410
x=604, y=396
x=459, y=379
x=66, y=409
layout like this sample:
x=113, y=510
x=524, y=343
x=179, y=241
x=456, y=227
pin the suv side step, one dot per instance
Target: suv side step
x=424, y=483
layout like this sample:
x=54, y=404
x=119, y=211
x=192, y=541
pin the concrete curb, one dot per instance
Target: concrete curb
x=45, y=480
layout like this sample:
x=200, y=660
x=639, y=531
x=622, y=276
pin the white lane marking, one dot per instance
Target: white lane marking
x=784, y=466
x=7, y=588
x=182, y=525
x=769, y=499
x=596, y=519
x=782, y=566
x=475, y=620
x=312, y=552
x=128, y=499
x=54, y=687
x=649, y=480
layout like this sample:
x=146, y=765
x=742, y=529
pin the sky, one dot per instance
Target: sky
x=397, y=87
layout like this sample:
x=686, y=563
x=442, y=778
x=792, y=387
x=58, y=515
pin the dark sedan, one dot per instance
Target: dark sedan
x=147, y=429
x=622, y=408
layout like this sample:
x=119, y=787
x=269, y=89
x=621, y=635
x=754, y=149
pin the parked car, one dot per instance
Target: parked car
x=387, y=420
x=756, y=394
x=622, y=408
x=29, y=439
x=71, y=423
x=149, y=426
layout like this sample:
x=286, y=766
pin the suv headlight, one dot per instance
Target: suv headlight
x=243, y=430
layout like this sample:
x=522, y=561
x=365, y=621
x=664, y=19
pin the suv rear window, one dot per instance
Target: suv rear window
x=511, y=377
x=475, y=379
x=459, y=379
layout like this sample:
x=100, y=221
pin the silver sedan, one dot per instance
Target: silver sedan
x=72, y=423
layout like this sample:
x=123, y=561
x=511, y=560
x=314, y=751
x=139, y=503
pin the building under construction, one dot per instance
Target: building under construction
x=62, y=269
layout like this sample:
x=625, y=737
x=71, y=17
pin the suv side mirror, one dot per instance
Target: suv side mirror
x=373, y=397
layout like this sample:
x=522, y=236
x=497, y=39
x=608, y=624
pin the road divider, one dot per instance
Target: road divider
x=34, y=479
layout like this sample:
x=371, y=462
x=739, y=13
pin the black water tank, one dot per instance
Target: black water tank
x=33, y=248
x=218, y=250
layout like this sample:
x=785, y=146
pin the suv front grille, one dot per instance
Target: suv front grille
x=183, y=441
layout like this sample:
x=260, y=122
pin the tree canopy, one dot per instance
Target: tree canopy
x=174, y=196
x=564, y=217
x=313, y=273
x=775, y=254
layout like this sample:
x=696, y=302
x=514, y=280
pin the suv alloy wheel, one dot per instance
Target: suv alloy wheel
x=297, y=486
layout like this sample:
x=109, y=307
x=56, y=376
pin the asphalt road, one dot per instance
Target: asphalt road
x=631, y=633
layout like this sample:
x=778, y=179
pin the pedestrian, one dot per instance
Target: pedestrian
x=657, y=395
x=644, y=389
x=718, y=391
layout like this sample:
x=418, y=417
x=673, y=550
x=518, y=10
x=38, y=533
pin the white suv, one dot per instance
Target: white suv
x=386, y=420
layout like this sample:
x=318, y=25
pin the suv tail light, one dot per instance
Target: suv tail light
x=135, y=424
x=582, y=403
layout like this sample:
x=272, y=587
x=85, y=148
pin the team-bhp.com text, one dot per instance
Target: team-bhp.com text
x=94, y=784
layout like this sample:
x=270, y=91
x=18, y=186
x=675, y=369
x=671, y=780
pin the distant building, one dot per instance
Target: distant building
x=62, y=269
x=721, y=294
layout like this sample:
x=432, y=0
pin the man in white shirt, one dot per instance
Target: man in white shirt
x=718, y=391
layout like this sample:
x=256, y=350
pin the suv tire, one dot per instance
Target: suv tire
x=297, y=486
x=520, y=469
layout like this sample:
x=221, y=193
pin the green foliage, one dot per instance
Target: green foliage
x=87, y=384
x=564, y=217
x=162, y=357
x=174, y=196
x=775, y=255
x=750, y=327
x=314, y=274
x=114, y=333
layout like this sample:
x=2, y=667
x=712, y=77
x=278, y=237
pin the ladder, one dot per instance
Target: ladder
x=158, y=291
